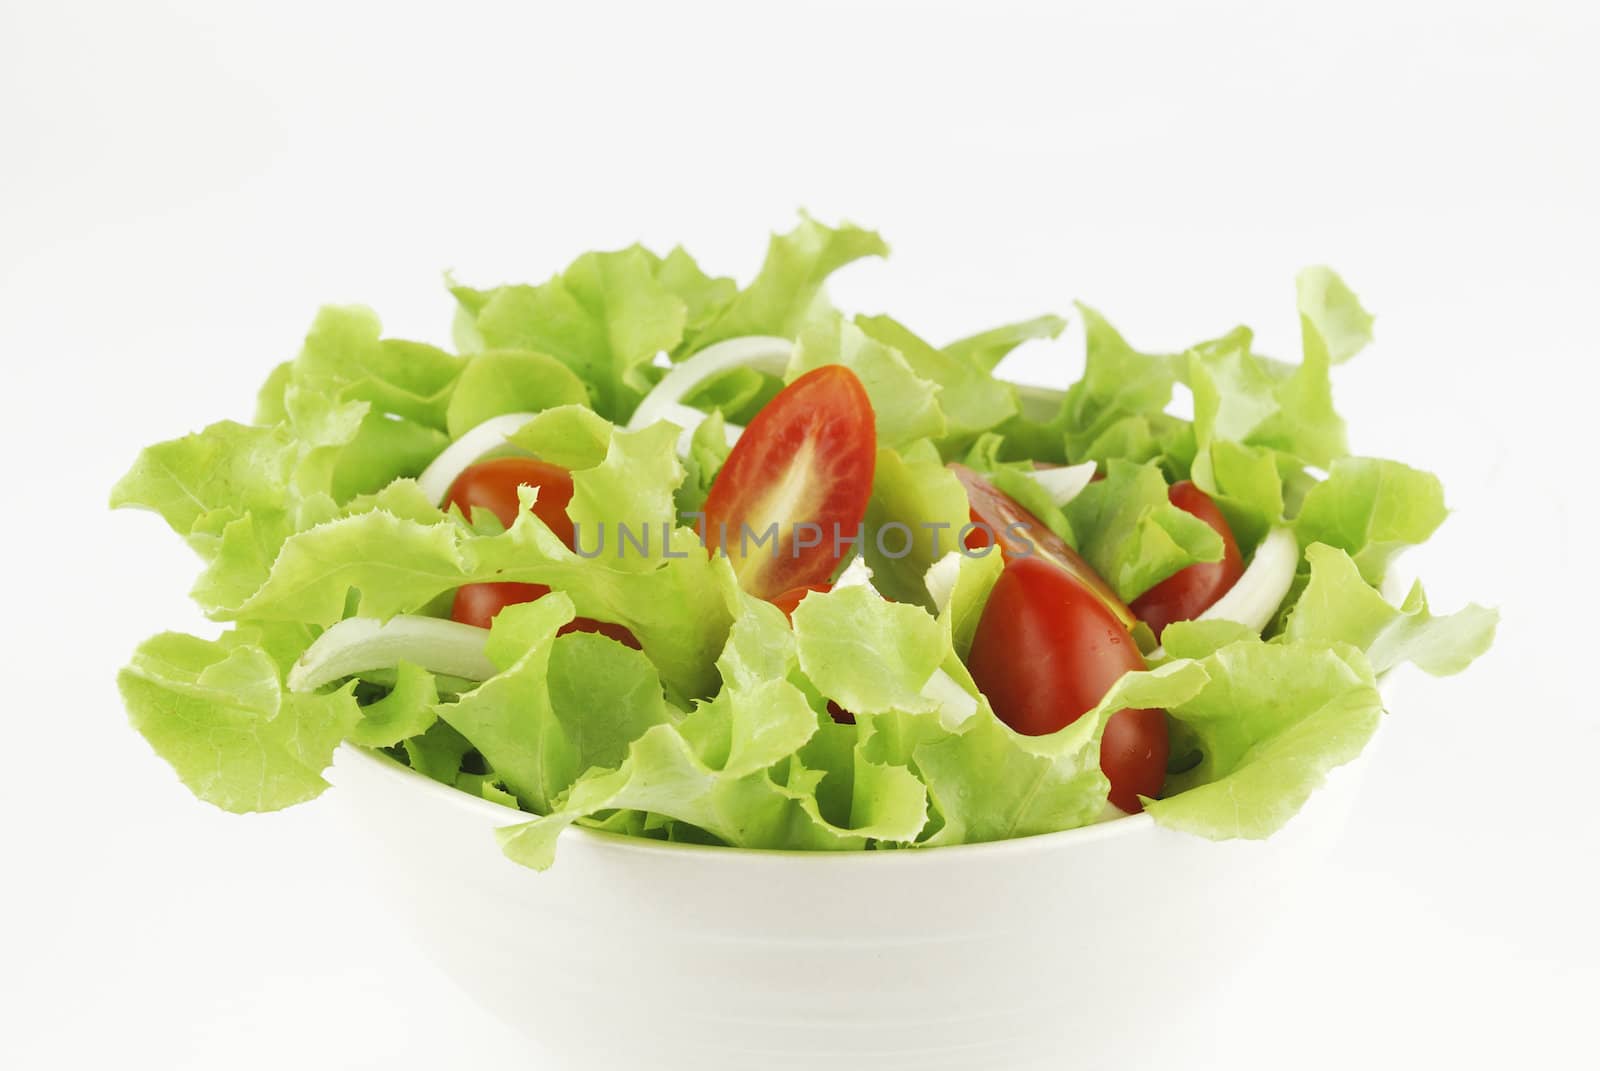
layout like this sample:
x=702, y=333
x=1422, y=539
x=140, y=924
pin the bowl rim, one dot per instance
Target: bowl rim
x=497, y=813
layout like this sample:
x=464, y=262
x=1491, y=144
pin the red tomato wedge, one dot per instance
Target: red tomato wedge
x=477, y=604
x=788, y=600
x=1022, y=535
x=492, y=485
x=1046, y=650
x=795, y=486
x=1186, y=594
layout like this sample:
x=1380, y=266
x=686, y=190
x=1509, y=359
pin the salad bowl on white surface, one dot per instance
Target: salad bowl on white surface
x=900, y=744
x=1045, y=951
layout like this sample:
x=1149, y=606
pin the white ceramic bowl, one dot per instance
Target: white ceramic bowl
x=634, y=954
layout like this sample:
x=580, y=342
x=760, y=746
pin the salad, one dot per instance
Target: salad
x=655, y=554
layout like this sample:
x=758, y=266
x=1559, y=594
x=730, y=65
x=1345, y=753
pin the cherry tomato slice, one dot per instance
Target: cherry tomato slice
x=492, y=485
x=1046, y=650
x=790, y=599
x=802, y=469
x=477, y=604
x=1184, y=595
x=1020, y=535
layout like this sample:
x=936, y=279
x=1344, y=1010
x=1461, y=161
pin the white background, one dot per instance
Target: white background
x=183, y=184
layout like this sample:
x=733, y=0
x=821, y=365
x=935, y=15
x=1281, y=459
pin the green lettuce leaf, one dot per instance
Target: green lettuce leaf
x=990, y=783
x=1331, y=318
x=1016, y=478
x=913, y=488
x=973, y=401
x=605, y=317
x=227, y=467
x=761, y=646
x=985, y=781
x=789, y=287
x=572, y=436
x=738, y=393
x=885, y=801
x=1247, y=484
x=988, y=348
x=397, y=393
x=236, y=493
x=1338, y=606
x=633, y=490
x=1113, y=411
x=401, y=554
x=510, y=382
x=905, y=405
x=382, y=451
x=1256, y=401
x=1019, y=485
x=345, y=358
x=708, y=450
x=407, y=711
x=1371, y=509
x=377, y=564
x=217, y=712
x=703, y=296
x=1131, y=533
x=438, y=753
x=486, y=786
x=719, y=731
x=730, y=770
x=867, y=653
x=975, y=577
x=1201, y=637
x=1122, y=394
x=1270, y=723
x=1258, y=421
x=559, y=706
x=758, y=766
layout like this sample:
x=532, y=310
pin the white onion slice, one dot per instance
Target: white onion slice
x=956, y=704
x=1108, y=812
x=665, y=400
x=485, y=439
x=359, y=644
x=688, y=418
x=858, y=574
x=941, y=580
x=1063, y=484
x=1257, y=594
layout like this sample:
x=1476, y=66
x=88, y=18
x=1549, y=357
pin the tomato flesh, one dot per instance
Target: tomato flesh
x=1046, y=650
x=802, y=469
x=477, y=604
x=492, y=485
x=1186, y=594
x=788, y=600
x=1019, y=534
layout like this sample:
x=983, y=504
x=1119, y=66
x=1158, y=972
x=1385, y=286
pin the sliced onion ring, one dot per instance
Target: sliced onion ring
x=1064, y=483
x=665, y=401
x=486, y=439
x=361, y=644
x=1257, y=594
